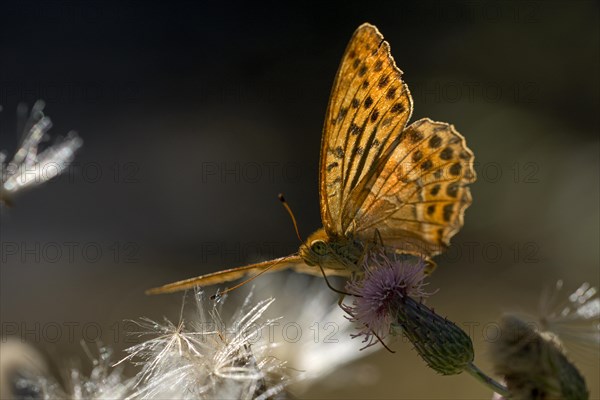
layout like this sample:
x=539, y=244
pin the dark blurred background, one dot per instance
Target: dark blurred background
x=195, y=116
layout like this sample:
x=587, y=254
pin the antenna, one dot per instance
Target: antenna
x=289, y=210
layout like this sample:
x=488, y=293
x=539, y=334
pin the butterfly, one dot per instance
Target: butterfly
x=381, y=182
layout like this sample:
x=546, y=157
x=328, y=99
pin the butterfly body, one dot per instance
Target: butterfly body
x=340, y=253
x=382, y=182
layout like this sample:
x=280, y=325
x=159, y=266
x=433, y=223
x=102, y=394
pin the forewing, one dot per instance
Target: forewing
x=294, y=262
x=417, y=196
x=368, y=107
x=229, y=275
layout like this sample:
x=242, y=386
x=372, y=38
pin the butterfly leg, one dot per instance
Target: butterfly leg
x=331, y=287
x=378, y=239
x=376, y=243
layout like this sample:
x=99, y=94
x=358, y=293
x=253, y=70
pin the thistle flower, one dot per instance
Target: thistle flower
x=385, y=304
x=30, y=167
x=387, y=281
x=569, y=323
x=205, y=360
x=533, y=365
x=575, y=319
x=21, y=365
x=103, y=383
x=201, y=358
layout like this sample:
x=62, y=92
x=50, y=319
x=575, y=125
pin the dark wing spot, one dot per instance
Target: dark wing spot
x=368, y=102
x=416, y=136
x=354, y=129
x=365, y=84
x=435, y=142
x=435, y=190
x=374, y=115
x=332, y=166
x=427, y=165
x=355, y=103
x=452, y=189
x=464, y=155
x=339, y=152
x=362, y=71
x=440, y=233
x=391, y=93
x=402, y=136
x=447, y=153
x=386, y=122
x=447, y=212
x=355, y=63
x=378, y=65
x=376, y=143
x=430, y=209
x=383, y=81
x=352, y=54
x=417, y=155
x=397, y=108
x=342, y=113
x=455, y=169
x=437, y=174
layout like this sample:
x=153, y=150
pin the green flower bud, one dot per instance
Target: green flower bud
x=534, y=365
x=444, y=346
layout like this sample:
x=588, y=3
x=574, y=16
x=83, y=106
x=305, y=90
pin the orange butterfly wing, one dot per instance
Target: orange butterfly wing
x=406, y=185
x=368, y=107
x=416, y=198
x=293, y=262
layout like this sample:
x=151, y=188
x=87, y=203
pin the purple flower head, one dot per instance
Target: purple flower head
x=386, y=281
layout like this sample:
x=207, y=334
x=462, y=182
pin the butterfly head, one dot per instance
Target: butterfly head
x=316, y=250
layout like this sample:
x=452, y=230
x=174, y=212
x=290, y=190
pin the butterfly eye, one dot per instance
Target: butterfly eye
x=319, y=247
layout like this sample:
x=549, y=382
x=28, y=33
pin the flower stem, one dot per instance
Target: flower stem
x=486, y=380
